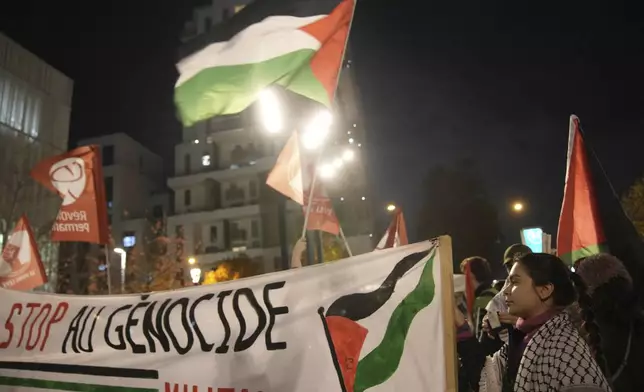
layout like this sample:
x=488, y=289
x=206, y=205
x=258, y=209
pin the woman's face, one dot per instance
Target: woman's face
x=522, y=297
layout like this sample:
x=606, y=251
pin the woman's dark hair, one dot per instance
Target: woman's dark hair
x=479, y=267
x=546, y=269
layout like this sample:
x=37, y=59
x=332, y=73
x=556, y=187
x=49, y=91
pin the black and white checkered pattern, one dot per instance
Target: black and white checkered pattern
x=556, y=358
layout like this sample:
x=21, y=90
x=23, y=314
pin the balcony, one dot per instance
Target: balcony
x=196, y=215
x=234, y=171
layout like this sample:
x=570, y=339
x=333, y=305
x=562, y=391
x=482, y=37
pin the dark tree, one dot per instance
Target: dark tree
x=456, y=204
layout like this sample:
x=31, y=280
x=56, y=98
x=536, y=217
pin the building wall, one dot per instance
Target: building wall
x=134, y=183
x=35, y=107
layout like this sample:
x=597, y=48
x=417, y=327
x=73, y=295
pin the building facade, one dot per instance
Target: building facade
x=137, y=201
x=222, y=206
x=134, y=187
x=35, y=109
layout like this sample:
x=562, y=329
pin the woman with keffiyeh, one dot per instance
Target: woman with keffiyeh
x=545, y=352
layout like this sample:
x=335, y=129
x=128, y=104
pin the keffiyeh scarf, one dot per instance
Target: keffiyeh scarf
x=556, y=359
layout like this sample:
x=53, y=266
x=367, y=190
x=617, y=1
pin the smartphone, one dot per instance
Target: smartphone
x=493, y=321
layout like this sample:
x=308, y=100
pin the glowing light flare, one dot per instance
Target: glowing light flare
x=327, y=171
x=391, y=208
x=348, y=155
x=270, y=111
x=317, y=130
x=517, y=206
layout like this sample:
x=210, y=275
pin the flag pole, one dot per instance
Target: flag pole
x=107, y=269
x=317, y=161
x=346, y=243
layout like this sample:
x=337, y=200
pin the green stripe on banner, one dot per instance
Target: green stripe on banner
x=381, y=363
x=67, y=386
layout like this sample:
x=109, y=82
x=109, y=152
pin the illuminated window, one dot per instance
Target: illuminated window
x=205, y=160
x=129, y=241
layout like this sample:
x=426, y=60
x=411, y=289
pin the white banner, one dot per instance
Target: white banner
x=375, y=322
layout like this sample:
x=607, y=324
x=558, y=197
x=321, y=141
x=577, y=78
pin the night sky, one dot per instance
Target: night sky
x=494, y=81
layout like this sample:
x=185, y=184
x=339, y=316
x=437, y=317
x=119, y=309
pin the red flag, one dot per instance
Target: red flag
x=77, y=176
x=321, y=216
x=396, y=234
x=286, y=176
x=580, y=230
x=20, y=265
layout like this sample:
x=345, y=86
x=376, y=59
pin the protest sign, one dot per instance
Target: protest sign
x=381, y=321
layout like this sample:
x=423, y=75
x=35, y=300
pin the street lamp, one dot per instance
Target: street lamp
x=317, y=130
x=195, y=274
x=191, y=260
x=270, y=111
x=517, y=206
x=391, y=207
x=123, y=255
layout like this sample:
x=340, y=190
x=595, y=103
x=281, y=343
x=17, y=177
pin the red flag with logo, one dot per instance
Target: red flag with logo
x=77, y=176
x=20, y=265
x=321, y=216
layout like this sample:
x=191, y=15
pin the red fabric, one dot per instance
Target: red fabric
x=579, y=222
x=332, y=32
x=23, y=269
x=77, y=177
x=348, y=338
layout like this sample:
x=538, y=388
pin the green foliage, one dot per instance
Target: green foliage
x=456, y=203
x=633, y=203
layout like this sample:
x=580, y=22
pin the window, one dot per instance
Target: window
x=254, y=229
x=213, y=234
x=187, y=197
x=186, y=163
x=252, y=189
x=19, y=107
x=225, y=14
x=207, y=24
x=109, y=191
x=178, y=231
x=205, y=160
x=108, y=155
x=129, y=239
x=157, y=211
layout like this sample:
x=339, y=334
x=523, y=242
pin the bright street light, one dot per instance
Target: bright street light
x=317, y=130
x=391, y=208
x=270, y=111
x=191, y=260
x=123, y=255
x=195, y=274
x=327, y=171
x=517, y=206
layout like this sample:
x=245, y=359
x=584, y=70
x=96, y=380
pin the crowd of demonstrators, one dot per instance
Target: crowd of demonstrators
x=619, y=317
x=545, y=352
x=477, y=270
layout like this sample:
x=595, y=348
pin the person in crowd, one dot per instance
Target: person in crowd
x=497, y=304
x=545, y=352
x=619, y=317
x=480, y=276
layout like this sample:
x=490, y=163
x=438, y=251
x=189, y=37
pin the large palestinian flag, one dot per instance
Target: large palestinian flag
x=297, y=44
x=592, y=219
x=359, y=371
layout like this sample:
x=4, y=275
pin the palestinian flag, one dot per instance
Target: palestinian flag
x=346, y=336
x=297, y=44
x=396, y=234
x=592, y=219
